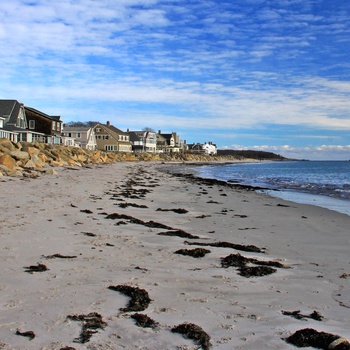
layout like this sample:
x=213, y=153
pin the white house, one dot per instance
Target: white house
x=83, y=136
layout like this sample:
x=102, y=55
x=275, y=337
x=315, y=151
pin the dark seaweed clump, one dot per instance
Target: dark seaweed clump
x=264, y=267
x=29, y=334
x=195, y=253
x=296, y=314
x=90, y=323
x=320, y=340
x=144, y=321
x=245, y=248
x=256, y=271
x=194, y=332
x=179, y=233
x=36, y=268
x=60, y=256
x=177, y=211
x=133, y=220
x=139, y=297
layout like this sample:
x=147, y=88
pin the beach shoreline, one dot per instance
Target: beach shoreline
x=121, y=224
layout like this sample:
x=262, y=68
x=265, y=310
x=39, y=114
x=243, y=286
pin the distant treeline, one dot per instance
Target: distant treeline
x=250, y=154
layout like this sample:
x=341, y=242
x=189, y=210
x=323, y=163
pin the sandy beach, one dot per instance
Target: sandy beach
x=129, y=256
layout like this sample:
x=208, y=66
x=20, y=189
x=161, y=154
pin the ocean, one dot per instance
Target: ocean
x=321, y=183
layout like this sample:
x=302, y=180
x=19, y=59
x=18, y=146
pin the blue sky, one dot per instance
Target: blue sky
x=272, y=75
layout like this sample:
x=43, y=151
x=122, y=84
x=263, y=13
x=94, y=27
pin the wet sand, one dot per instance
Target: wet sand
x=128, y=256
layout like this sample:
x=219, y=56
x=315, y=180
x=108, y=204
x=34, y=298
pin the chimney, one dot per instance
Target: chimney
x=159, y=131
x=108, y=123
x=128, y=130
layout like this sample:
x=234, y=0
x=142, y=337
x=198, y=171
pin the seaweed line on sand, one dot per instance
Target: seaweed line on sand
x=90, y=324
x=194, y=332
x=245, y=248
x=139, y=297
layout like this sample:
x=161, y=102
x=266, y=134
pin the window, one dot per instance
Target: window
x=105, y=137
x=78, y=135
x=53, y=125
x=111, y=148
x=98, y=129
x=31, y=124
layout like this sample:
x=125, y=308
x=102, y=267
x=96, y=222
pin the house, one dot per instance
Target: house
x=143, y=141
x=169, y=143
x=83, y=137
x=208, y=148
x=110, y=138
x=51, y=126
x=14, y=123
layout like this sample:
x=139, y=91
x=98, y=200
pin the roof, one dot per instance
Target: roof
x=133, y=136
x=55, y=118
x=116, y=130
x=10, y=109
x=77, y=128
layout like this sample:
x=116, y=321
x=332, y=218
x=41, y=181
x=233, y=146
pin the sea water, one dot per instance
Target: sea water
x=322, y=183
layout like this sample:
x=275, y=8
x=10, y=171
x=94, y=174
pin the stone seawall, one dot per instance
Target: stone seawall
x=24, y=159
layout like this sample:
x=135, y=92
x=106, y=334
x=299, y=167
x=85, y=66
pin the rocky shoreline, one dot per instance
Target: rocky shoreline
x=31, y=159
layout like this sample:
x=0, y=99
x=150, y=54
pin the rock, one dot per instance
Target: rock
x=19, y=155
x=31, y=150
x=7, y=161
x=37, y=161
x=7, y=144
x=51, y=171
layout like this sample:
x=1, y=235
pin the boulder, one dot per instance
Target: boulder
x=31, y=150
x=4, y=142
x=37, y=161
x=8, y=161
x=19, y=155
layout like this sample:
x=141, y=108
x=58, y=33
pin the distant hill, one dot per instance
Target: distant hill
x=260, y=155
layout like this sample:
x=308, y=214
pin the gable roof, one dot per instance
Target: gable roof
x=54, y=118
x=9, y=109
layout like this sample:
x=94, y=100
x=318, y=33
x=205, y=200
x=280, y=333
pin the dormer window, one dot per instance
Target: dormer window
x=31, y=124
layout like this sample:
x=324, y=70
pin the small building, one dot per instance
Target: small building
x=110, y=138
x=208, y=148
x=143, y=141
x=83, y=137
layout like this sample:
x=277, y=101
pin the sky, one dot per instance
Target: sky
x=271, y=75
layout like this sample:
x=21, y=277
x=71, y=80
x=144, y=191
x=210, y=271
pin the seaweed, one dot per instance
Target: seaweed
x=133, y=220
x=264, y=267
x=246, y=248
x=139, y=297
x=60, y=256
x=256, y=271
x=29, y=334
x=177, y=211
x=178, y=233
x=193, y=332
x=144, y=321
x=237, y=260
x=125, y=205
x=320, y=340
x=296, y=314
x=195, y=253
x=90, y=234
x=87, y=211
x=36, y=268
x=90, y=324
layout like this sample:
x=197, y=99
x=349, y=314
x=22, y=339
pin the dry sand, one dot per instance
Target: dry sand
x=67, y=214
